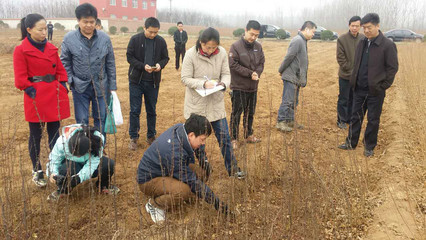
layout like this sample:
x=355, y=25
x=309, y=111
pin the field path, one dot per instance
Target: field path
x=396, y=215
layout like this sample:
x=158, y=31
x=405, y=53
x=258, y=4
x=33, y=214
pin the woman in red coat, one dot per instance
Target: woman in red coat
x=40, y=73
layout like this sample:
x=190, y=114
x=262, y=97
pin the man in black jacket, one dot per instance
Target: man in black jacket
x=180, y=37
x=375, y=67
x=49, y=31
x=147, y=55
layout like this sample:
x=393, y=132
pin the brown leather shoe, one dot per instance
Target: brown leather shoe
x=253, y=139
x=133, y=145
x=150, y=140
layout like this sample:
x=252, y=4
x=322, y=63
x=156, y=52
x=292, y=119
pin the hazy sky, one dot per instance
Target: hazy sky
x=239, y=6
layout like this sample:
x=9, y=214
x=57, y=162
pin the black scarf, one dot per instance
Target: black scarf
x=39, y=45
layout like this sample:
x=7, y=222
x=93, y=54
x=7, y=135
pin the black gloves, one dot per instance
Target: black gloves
x=31, y=92
x=74, y=181
x=61, y=181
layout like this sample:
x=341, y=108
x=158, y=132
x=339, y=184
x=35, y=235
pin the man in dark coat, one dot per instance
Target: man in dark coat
x=167, y=171
x=180, y=37
x=376, y=64
x=147, y=55
x=246, y=61
x=345, y=54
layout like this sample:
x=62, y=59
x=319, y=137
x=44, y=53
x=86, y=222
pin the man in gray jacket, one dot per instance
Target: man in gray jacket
x=293, y=71
x=88, y=57
x=345, y=54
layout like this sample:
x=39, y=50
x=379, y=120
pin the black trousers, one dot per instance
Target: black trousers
x=69, y=168
x=179, y=51
x=362, y=103
x=36, y=130
x=242, y=102
x=49, y=35
x=344, y=102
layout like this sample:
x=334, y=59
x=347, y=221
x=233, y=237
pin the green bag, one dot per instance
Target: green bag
x=110, y=127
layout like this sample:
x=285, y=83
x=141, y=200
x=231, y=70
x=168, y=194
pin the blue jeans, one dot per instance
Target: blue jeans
x=149, y=92
x=221, y=131
x=344, y=102
x=82, y=104
x=289, y=102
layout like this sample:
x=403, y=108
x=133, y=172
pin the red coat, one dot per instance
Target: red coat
x=51, y=102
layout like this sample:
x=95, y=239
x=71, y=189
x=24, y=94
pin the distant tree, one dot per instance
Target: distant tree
x=140, y=29
x=172, y=30
x=200, y=32
x=124, y=29
x=238, y=32
x=113, y=30
x=281, y=34
x=326, y=35
x=76, y=26
x=58, y=26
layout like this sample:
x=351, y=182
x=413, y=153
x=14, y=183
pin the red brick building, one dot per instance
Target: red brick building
x=137, y=10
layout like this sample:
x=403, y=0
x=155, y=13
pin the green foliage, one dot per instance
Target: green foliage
x=326, y=35
x=113, y=30
x=172, y=30
x=58, y=26
x=238, y=32
x=124, y=29
x=76, y=26
x=201, y=32
x=140, y=29
x=281, y=34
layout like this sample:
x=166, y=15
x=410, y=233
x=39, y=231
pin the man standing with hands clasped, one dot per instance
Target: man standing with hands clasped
x=346, y=45
x=246, y=61
x=180, y=37
x=376, y=64
x=147, y=55
x=294, y=73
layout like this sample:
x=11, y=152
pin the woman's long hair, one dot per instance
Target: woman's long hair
x=29, y=22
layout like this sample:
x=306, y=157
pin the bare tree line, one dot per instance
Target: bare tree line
x=49, y=9
x=333, y=14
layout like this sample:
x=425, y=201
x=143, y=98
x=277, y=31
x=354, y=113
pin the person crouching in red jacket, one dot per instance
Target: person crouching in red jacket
x=40, y=73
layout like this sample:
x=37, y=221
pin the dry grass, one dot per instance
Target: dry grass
x=299, y=186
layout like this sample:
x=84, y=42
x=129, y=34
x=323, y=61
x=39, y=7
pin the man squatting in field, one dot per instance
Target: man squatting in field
x=294, y=71
x=345, y=54
x=167, y=171
x=376, y=64
x=246, y=61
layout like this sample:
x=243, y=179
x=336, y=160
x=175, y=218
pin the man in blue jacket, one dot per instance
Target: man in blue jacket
x=88, y=57
x=147, y=55
x=168, y=173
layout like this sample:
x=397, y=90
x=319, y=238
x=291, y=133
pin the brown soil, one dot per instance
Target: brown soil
x=300, y=186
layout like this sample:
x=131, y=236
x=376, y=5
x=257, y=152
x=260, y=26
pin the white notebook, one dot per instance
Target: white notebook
x=205, y=92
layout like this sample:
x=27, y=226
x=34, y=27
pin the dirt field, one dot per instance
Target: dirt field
x=300, y=186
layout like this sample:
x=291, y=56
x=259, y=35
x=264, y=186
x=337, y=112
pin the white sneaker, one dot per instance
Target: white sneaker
x=38, y=179
x=157, y=215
